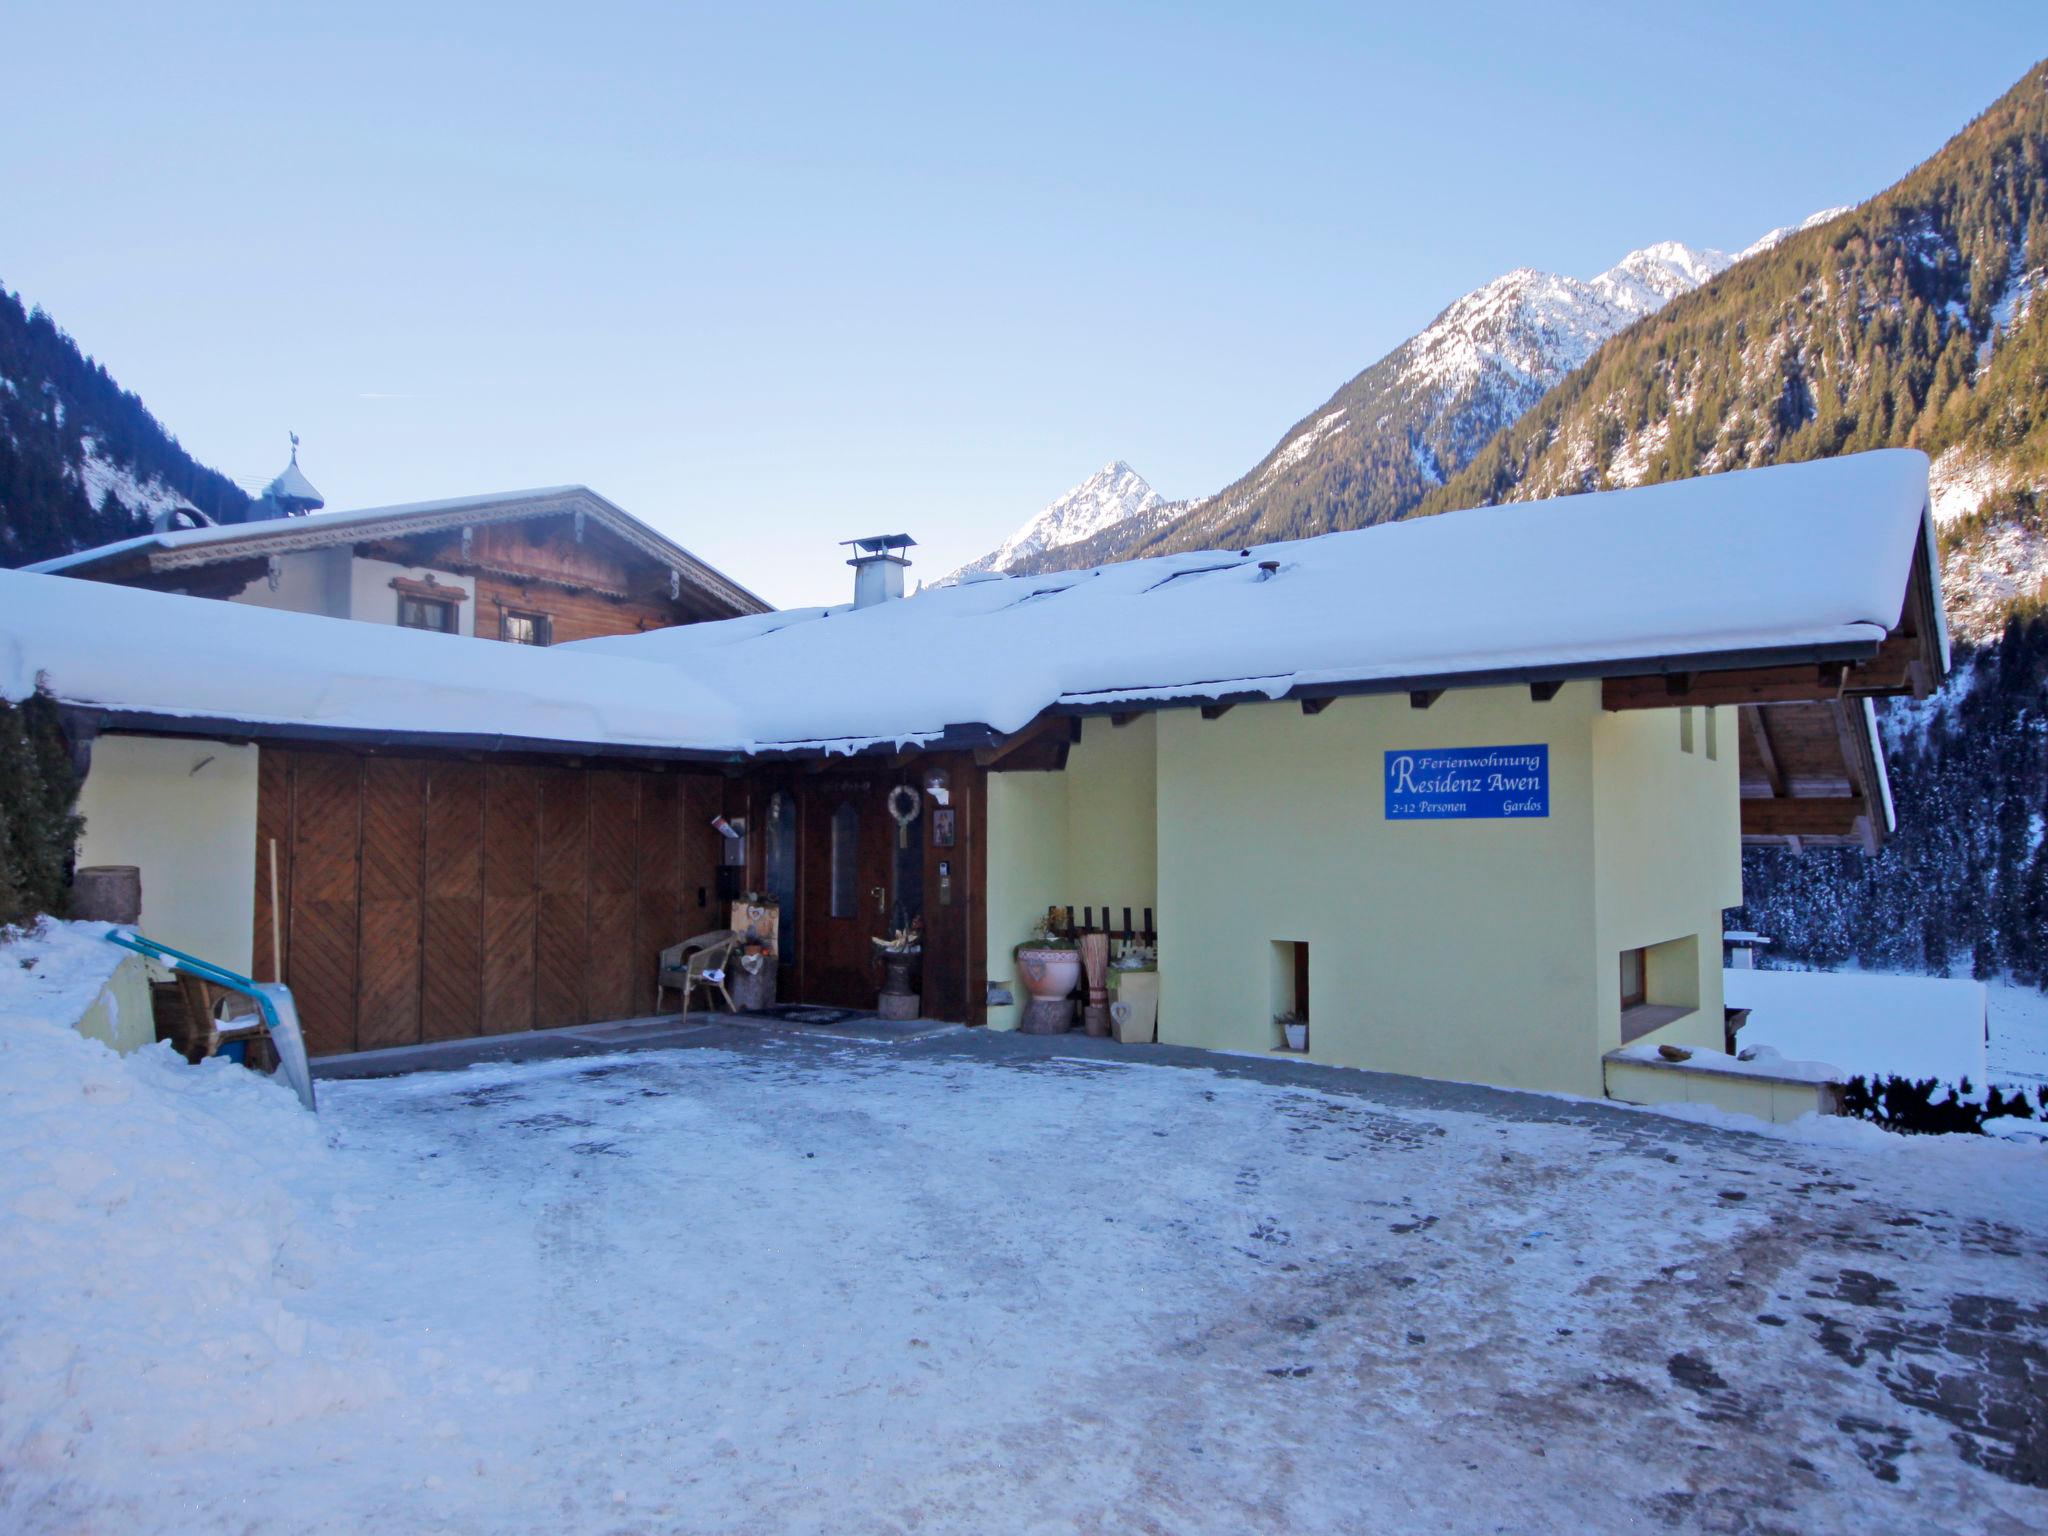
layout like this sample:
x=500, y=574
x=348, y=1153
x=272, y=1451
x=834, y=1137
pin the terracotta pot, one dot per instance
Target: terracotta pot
x=1048, y=974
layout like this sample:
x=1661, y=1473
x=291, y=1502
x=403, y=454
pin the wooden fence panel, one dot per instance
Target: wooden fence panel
x=658, y=908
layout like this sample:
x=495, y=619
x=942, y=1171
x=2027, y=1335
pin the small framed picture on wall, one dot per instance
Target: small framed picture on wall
x=942, y=827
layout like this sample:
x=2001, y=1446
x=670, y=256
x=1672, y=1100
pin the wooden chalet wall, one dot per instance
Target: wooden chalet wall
x=433, y=899
x=595, y=585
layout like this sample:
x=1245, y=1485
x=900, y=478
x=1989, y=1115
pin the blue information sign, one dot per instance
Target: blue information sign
x=1461, y=783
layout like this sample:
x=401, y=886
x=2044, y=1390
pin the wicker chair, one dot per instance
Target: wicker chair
x=694, y=963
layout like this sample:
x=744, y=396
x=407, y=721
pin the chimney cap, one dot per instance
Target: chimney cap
x=879, y=543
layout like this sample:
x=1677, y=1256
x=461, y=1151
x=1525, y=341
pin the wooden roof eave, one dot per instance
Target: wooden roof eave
x=293, y=535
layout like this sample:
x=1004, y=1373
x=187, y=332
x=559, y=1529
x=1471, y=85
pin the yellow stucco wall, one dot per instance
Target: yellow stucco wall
x=1085, y=836
x=1769, y=1099
x=1480, y=950
x=1451, y=949
x=1667, y=859
x=184, y=812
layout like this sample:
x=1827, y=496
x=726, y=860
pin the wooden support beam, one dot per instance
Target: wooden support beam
x=1315, y=706
x=1758, y=685
x=1216, y=711
x=1123, y=718
x=1422, y=698
x=1752, y=719
x=1543, y=693
x=1064, y=729
x=1857, y=750
x=1891, y=669
x=1819, y=816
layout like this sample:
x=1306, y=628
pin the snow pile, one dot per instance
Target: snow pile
x=1871, y=1025
x=147, y=1309
x=55, y=970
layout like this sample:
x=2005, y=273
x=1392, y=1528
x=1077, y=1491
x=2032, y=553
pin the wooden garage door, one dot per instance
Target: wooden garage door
x=422, y=899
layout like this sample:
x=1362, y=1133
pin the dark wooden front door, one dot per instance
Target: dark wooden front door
x=845, y=889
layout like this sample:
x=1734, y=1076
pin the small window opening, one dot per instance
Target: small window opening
x=1290, y=994
x=526, y=628
x=845, y=861
x=426, y=613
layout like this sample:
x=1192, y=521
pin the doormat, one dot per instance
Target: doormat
x=807, y=1013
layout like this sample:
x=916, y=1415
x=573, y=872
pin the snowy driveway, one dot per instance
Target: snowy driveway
x=814, y=1286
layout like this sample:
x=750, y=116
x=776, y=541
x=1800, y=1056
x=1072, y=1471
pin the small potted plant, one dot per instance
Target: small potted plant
x=1049, y=965
x=1293, y=1030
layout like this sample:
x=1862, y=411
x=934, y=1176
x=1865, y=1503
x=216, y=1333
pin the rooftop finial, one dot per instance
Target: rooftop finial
x=295, y=446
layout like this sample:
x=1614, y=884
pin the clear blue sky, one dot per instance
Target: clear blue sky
x=771, y=277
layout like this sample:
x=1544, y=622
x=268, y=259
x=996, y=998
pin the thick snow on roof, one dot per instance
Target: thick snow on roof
x=1794, y=556
x=1807, y=555
x=232, y=532
x=1868, y=1025
x=124, y=648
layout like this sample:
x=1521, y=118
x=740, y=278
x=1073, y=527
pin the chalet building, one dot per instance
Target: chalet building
x=529, y=567
x=1468, y=792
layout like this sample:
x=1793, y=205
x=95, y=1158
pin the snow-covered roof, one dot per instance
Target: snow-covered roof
x=1808, y=560
x=1784, y=561
x=137, y=652
x=185, y=547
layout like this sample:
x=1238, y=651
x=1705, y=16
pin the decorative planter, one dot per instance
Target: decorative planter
x=898, y=1000
x=1049, y=976
x=1297, y=1036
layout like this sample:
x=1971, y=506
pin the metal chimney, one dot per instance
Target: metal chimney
x=878, y=566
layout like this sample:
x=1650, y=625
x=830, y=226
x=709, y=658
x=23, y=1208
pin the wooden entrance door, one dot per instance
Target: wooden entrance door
x=846, y=889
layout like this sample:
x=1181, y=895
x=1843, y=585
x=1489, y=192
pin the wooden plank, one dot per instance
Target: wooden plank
x=1422, y=698
x=1890, y=670
x=1543, y=693
x=1315, y=706
x=562, y=936
x=1856, y=754
x=273, y=826
x=511, y=904
x=1758, y=685
x=1216, y=711
x=973, y=821
x=658, y=903
x=1752, y=718
x=451, y=949
x=389, y=916
x=326, y=870
x=614, y=874
x=1818, y=816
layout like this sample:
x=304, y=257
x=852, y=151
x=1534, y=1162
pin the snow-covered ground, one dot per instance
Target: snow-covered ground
x=2019, y=1035
x=816, y=1286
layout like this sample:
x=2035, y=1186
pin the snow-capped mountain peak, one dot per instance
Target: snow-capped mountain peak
x=1114, y=494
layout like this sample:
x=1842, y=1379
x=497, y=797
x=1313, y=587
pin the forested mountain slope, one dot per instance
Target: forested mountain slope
x=82, y=461
x=1908, y=321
